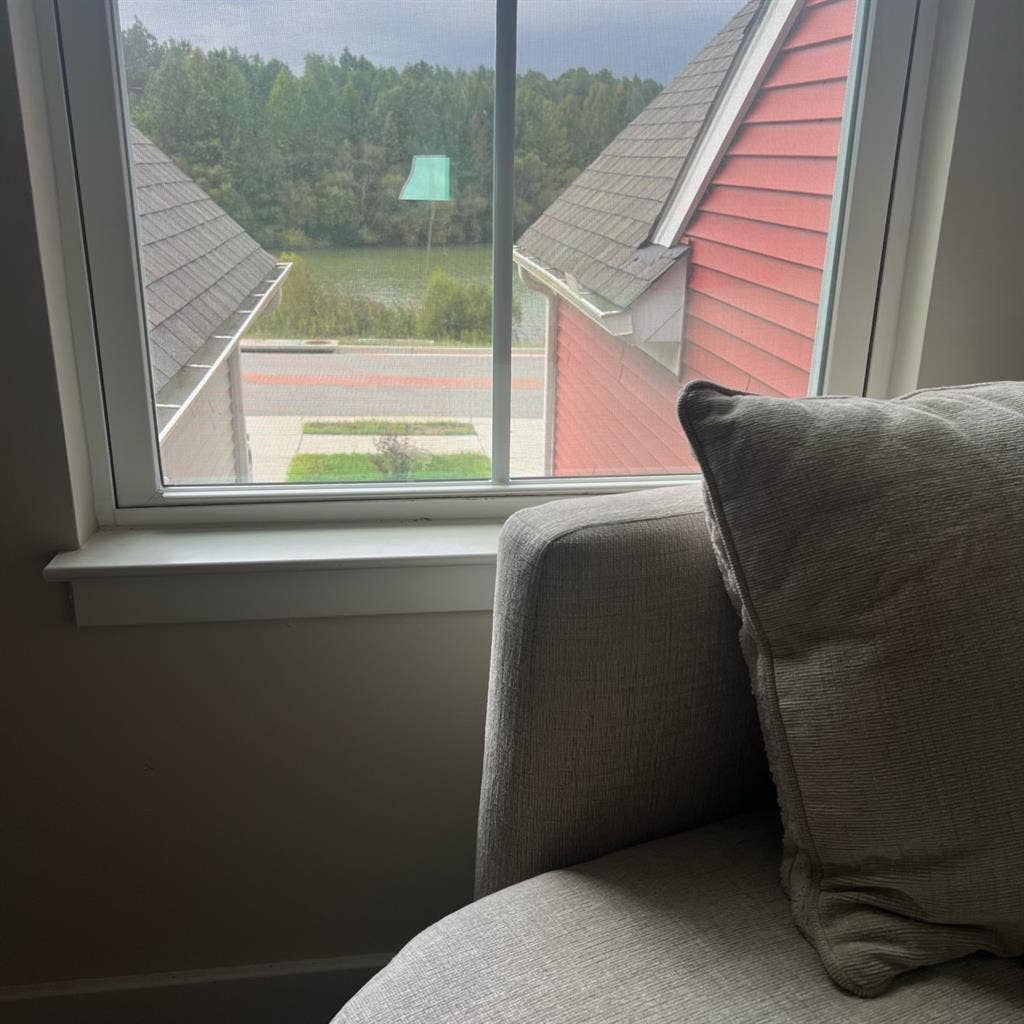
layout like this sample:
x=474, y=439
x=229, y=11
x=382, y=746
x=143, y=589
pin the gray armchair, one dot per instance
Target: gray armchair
x=628, y=847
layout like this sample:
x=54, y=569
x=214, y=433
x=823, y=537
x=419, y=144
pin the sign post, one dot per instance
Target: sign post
x=429, y=181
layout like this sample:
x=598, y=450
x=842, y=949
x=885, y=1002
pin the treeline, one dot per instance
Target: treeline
x=318, y=159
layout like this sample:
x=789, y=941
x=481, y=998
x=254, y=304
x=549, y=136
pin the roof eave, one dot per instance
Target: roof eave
x=741, y=86
x=614, y=320
x=259, y=301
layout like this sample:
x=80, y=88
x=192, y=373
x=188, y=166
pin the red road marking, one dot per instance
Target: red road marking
x=378, y=380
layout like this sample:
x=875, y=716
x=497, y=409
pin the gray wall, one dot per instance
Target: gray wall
x=193, y=796
x=975, y=324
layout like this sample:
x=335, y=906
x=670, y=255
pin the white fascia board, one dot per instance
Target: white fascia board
x=616, y=322
x=742, y=85
x=271, y=286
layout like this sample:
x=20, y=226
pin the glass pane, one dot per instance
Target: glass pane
x=312, y=183
x=626, y=295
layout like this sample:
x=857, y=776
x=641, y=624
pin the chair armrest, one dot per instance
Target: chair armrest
x=619, y=707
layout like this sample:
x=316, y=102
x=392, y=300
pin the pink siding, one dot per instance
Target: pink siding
x=757, y=242
x=758, y=238
x=615, y=407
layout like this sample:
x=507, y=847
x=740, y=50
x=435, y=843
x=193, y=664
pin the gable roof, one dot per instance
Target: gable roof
x=598, y=229
x=199, y=266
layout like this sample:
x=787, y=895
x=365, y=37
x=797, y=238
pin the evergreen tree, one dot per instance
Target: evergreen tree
x=319, y=158
x=141, y=54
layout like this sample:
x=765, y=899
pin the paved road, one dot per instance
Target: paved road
x=367, y=383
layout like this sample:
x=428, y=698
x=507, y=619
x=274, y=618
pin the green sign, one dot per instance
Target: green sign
x=430, y=178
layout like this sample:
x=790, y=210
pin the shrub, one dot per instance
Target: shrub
x=456, y=310
x=395, y=457
x=451, y=310
x=308, y=309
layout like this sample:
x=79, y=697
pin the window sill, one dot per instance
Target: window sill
x=146, y=576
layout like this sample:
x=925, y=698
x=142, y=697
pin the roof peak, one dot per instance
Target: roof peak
x=597, y=228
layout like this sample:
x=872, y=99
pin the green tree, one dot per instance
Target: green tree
x=141, y=53
x=319, y=157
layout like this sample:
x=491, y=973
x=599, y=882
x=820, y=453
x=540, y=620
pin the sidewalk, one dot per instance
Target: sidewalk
x=403, y=346
x=275, y=440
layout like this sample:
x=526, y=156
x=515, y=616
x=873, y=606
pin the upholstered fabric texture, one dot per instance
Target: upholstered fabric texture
x=619, y=707
x=877, y=552
x=693, y=929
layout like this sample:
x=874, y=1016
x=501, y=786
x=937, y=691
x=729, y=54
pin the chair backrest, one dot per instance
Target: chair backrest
x=619, y=707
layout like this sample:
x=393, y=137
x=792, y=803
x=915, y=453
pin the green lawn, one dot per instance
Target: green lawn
x=411, y=428
x=357, y=467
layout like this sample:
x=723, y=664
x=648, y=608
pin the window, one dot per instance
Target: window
x=326, y=262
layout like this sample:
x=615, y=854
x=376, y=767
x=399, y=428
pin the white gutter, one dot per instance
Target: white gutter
x=614, y=321
x=270, y=288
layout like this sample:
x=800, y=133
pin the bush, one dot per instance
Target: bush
x=456, y=310
x=310, y=310
x=451, y=310
x=395, y=458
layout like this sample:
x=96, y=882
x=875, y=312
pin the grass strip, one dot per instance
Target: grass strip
x=403, y=428
x=357, y=467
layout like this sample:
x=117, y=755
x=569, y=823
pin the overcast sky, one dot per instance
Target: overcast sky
x=651, y=38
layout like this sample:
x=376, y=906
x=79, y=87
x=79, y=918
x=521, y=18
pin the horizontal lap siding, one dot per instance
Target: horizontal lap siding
x=614, y=406
x=758, y=243
x=200, y=447
x=759, y=236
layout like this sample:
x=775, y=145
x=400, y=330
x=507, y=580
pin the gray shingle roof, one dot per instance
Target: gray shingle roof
x=198, y=264
x=595, y=228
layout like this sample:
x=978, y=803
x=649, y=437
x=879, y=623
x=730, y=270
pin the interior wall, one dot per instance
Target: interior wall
x=189, y=797
x=964, y=310
x=975, y=322
x=184, y=797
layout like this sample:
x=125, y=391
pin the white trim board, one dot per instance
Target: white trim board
x=205, y=976
x=886, y=97
x=233, y=574
x=244, y=597
x=921, y=185
x=233, y=550
x=748, y=72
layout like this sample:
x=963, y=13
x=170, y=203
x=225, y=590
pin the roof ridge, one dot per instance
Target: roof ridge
x=720, y=91
x=764, y=36
x=609, y=266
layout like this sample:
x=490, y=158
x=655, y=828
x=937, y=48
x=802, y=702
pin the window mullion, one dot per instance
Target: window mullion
x=502, y=238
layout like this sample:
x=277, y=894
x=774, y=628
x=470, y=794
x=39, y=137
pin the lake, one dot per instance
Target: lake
x=399, y=274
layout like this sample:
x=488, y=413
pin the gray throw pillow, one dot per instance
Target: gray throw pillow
x=876, y=552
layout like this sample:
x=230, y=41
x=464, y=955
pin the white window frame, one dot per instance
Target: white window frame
x=78, y=59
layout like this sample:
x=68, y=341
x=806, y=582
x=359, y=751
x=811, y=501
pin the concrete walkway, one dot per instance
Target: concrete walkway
x=275, y=440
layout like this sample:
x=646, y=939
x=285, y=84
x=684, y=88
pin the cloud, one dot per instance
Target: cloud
x=651, y=38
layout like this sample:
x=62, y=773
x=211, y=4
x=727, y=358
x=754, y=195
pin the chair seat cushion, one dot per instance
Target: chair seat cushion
x=694, y=928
